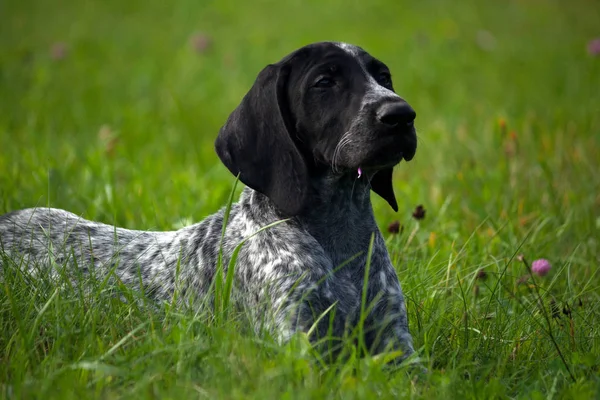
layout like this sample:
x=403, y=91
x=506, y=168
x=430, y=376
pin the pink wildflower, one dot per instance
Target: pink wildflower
x=200, y=42
x=594, y=47
x=540, y=267
x=59, y=50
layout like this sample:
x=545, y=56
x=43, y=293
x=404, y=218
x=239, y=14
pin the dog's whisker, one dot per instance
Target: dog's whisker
x=338, y=148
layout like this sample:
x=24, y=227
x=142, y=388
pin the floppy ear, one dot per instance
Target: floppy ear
x=381, y=183
x=256, y=142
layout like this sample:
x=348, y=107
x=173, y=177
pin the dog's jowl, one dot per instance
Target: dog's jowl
x=315, y=134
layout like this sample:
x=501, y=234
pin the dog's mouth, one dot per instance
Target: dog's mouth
x=393, y=146
x=370, y=170
x=378, y=152
x=409, y=154
x=389, y=159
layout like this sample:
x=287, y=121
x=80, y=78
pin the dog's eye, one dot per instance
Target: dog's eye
x=324, y=82
x=384, y=79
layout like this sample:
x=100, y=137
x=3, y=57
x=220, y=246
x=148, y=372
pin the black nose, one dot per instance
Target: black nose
x=397, y=113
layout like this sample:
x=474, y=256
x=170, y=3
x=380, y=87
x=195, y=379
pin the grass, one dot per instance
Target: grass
x=117, y=126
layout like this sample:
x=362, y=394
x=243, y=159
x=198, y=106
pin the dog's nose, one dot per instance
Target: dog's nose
x=396, y=113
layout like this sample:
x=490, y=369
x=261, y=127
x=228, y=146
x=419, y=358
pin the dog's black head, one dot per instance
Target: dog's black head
x=325, y=106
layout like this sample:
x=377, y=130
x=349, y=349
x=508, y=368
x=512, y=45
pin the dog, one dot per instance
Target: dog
x=314, y=135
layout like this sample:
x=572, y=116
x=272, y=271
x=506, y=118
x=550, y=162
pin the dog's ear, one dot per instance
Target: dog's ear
x=257, y=142
x=381, y=183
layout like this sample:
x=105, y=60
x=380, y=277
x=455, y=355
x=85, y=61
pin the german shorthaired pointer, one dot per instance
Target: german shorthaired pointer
x=316, y=132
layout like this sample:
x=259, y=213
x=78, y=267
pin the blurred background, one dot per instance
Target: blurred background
x=110, y=108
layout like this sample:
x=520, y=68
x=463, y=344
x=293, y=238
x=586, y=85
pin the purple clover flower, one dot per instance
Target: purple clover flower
x=540, y=267
x=594, y=47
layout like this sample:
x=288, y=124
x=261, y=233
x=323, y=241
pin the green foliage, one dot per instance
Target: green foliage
x=109, y=109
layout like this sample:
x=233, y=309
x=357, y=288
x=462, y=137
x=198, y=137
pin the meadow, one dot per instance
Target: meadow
x=109, y=109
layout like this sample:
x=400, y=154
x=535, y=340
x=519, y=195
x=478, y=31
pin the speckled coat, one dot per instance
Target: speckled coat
x=311, y=263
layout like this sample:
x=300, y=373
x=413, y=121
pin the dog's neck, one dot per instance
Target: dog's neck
x=338, y=213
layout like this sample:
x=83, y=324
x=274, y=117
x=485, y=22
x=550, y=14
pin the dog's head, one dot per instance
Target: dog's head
x=325, y=106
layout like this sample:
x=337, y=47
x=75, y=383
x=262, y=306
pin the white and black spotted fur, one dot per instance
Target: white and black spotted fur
x=297, y=141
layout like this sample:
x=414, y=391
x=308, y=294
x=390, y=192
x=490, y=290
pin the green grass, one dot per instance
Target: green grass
x=120, y=130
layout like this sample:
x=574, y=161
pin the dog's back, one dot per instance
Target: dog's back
x=41, y=238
